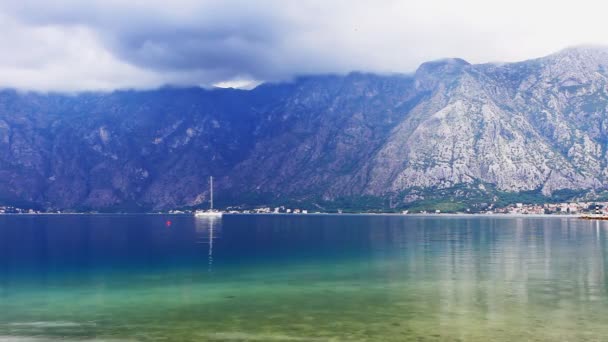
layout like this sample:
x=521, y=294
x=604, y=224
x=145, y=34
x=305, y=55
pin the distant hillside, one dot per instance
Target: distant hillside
x=451, y=131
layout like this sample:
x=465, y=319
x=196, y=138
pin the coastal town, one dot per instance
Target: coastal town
x=565, y=208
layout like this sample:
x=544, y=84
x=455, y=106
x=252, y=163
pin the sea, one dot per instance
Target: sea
x=302, y=278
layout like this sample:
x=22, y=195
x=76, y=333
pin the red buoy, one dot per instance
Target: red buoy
x=168, y=223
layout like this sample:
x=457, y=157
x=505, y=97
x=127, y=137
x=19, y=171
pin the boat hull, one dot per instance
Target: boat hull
x=208, y=214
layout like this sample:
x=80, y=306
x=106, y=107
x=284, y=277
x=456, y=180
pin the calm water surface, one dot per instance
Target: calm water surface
x=302, y=278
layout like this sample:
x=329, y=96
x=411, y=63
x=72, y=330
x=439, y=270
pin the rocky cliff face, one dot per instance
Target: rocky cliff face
x=535, y=126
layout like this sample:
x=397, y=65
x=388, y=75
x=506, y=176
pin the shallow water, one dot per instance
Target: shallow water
x=302, y=278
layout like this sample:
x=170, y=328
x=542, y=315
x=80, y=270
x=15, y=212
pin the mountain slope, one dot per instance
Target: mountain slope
x=451, y=128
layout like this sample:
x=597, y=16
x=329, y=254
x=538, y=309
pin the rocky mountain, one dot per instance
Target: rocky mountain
x=452, y=131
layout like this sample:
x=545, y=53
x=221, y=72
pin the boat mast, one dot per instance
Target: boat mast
x=211, y=186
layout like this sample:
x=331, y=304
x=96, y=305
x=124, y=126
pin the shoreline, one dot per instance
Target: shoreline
x=445, y=215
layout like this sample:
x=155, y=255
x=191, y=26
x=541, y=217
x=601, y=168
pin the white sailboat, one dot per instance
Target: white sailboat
x=211, y=212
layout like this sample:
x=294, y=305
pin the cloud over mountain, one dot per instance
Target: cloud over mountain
x=75, y=45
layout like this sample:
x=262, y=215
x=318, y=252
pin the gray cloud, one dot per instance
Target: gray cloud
x=81, y=45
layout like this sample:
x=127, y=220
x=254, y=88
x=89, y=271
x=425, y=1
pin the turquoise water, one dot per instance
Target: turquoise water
x=302, y=278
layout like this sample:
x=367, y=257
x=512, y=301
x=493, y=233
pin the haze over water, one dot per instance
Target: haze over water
x=302, y=278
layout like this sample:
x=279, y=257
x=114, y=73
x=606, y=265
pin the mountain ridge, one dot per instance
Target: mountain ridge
x=479, y=129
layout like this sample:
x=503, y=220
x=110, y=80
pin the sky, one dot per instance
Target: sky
x=77, y=45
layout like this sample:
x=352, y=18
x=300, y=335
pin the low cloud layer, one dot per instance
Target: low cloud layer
x=72, y=45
